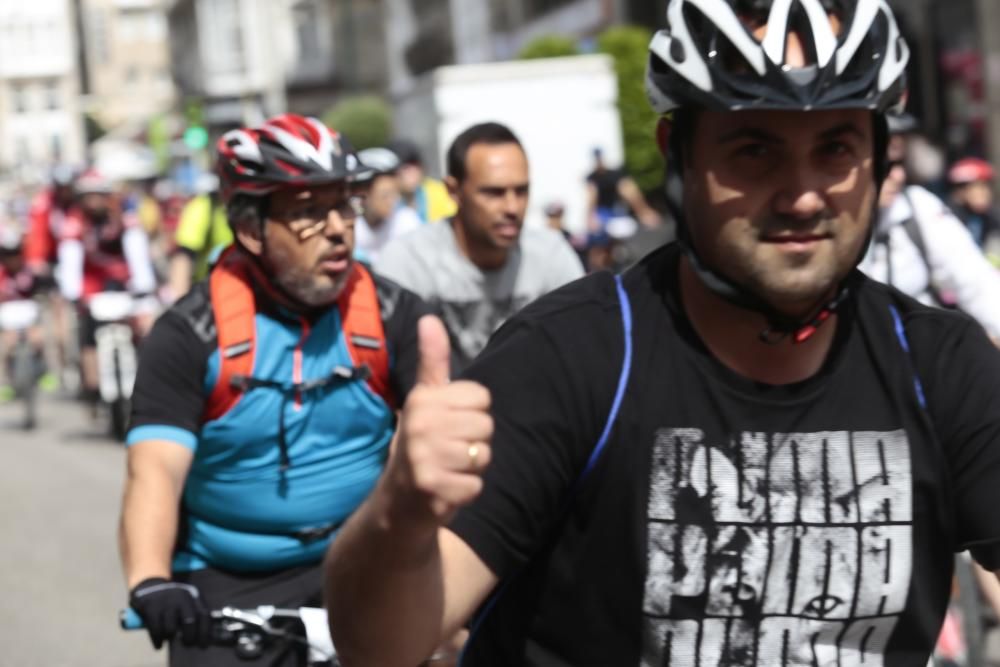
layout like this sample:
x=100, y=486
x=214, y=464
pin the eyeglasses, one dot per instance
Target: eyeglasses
x=311, y=218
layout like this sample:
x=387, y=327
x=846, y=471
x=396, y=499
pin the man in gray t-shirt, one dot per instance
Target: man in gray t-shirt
x=481, y=267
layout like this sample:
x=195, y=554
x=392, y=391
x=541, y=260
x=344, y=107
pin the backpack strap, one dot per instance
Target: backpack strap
x=234, y=309
x=623, y=376
x=364, y=332
x=625, y=307
x=916, y=235
x=904, y=342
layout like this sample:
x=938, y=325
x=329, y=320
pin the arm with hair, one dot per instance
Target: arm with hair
x=593, y=221
x=69, y=269
x=629, y=191
x=150, y=508
x=142, y=276
x=957, y=262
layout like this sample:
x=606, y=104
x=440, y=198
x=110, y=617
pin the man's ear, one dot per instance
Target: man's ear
x=451, y=183
x=250, y=237
x=664, y=130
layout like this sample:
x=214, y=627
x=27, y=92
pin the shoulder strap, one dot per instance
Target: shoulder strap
x=234, y=309
x=912, y=228
x=364, y=332
x=595, y=456
x=904, y=342
x=623, y=376
x=210, y=227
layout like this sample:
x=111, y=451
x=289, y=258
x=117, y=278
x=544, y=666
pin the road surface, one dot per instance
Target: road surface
x=60, y=489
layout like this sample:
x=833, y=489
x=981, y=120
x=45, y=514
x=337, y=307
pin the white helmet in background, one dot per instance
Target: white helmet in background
x=708, y=58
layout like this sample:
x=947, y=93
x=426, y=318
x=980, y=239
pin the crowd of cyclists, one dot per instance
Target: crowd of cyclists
x=307, y=299
x=82, y=234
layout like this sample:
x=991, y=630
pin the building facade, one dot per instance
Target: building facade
x=424, y=34
x=40, y=119
x=244, y=60
x=126, y=59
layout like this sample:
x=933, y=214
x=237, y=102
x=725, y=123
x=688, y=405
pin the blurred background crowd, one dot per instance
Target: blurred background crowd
x=141, y=88
x=110, y=111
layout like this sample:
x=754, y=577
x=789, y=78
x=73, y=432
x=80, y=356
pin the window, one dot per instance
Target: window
x=163, y=77
x=23, y=154
x=128, y=26
x=307, y=27
x=20, y=95
x=52, y=101
x=227, y=46
x=156, y=26
x=99, y=35
x=513, y=14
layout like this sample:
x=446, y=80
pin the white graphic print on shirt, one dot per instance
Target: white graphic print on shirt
x=781, y=549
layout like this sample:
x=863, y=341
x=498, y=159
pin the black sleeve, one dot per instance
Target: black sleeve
x=962, y=379
x=401, y=310
x=552, y=377
x=169, y=386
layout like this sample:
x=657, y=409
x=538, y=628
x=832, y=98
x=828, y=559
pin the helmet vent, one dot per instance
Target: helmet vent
x=677, y=52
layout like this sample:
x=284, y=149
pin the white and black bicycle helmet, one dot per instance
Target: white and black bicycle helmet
x=708, y=57
x=376, y=162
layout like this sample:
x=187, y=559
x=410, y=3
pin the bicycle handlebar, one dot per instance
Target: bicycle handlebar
x=129, y=619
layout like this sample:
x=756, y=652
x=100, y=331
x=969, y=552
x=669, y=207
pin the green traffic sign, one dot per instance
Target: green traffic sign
x=196, y=137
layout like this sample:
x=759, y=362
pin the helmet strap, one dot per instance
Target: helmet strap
x=779, y=326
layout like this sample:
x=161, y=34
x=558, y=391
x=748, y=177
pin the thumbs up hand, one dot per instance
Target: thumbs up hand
x=443, y=439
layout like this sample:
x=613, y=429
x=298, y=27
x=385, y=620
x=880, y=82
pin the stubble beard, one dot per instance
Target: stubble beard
x=302, y=285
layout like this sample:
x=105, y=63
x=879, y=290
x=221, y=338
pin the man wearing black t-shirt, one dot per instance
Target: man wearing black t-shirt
x=741, y=452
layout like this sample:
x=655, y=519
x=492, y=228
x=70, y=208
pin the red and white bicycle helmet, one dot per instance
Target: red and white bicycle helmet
x=286, y=151
x=970, y=170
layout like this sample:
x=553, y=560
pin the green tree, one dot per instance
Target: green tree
x=366, y=120
x=92, y=128
x=549, y=46
x=629, y=45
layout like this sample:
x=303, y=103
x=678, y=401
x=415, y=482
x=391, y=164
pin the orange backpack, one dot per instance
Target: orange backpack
x=234, y=306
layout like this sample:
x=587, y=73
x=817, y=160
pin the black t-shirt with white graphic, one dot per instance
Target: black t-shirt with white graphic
x=729, y=522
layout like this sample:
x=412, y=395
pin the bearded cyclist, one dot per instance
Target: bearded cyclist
x=264, y=403
x=742, y=451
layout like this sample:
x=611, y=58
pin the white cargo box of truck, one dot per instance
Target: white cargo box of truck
x=560, y=108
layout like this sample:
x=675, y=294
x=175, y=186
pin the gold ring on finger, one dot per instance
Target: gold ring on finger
x=474, y=456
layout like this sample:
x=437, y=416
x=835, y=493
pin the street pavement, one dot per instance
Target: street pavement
x=60, y=489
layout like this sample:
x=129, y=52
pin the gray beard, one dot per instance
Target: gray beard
x=302, y=286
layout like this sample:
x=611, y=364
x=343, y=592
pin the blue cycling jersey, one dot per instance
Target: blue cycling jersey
x=241, y=510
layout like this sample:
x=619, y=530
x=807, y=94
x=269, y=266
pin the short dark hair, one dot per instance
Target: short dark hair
x=246, y=212
x=483, y=133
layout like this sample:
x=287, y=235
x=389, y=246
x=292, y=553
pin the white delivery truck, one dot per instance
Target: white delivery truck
x=560, y=108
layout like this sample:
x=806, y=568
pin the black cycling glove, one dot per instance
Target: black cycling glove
x=169, y=608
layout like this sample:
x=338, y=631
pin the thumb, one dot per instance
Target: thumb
x=435, y=352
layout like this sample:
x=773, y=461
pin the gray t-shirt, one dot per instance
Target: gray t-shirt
x=473, y=303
